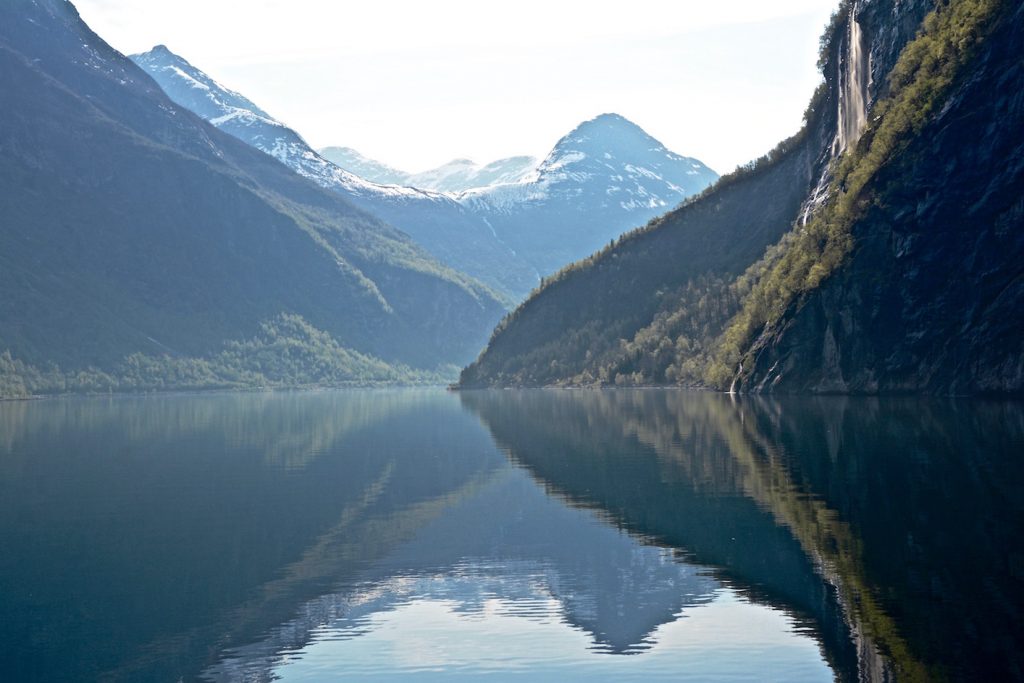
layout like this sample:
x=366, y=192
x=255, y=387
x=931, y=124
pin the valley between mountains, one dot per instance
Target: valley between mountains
x=162, y=231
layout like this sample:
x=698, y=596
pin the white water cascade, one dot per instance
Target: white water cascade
x=855, y=79
x=853, y=83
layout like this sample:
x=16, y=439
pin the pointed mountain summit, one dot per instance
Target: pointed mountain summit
x=644, y=170
x=192, y=88
x=604, y=178
x=210, y=99
x=607, y=176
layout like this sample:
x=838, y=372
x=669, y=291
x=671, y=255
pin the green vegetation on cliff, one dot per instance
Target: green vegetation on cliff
x=683, y=300
x=918, y=84
x=606, y=319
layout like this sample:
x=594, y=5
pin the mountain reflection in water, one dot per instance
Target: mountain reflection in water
x=518, y=534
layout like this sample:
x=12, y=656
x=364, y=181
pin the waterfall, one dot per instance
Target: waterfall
x=817, y=197
x=854, y=79
x=735, y=379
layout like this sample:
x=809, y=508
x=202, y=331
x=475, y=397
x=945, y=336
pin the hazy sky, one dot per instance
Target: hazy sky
x=415, y=84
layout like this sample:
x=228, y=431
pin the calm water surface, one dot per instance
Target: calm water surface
x=510, y=535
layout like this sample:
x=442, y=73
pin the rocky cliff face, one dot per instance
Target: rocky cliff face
x=930, y=299
x=865, y=42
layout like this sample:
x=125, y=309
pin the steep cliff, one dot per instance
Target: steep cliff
x=930, y=297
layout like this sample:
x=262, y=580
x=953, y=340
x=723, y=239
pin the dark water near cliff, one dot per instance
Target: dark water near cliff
x=534, y=535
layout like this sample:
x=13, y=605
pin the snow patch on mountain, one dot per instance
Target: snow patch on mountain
x=512, y=219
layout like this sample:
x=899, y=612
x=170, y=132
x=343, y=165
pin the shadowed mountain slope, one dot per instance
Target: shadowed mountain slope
x=142, y=248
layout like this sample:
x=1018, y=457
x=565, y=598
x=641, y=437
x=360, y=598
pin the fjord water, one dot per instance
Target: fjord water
x=517, y=535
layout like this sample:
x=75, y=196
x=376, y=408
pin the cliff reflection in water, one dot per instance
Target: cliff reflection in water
x=894, y=525
x=550, y=533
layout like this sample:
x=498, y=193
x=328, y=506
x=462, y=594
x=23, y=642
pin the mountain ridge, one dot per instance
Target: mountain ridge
x=555, y=221
x=453, y=177
x=585, y=194
x=434, y=220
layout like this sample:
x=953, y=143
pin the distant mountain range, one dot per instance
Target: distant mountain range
x=604, y=178
x=456, y=176
x=142, y=248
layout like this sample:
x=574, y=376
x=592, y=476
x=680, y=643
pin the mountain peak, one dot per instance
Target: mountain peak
x=160, y=53
x=609, y=123
x=605, y=140
x=610, y=118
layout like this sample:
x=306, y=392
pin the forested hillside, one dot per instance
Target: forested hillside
x=911, y=279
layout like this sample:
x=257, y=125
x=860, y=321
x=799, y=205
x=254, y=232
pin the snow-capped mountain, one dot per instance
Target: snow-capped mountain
x=457, y=175
x=443, y=226
x=605, y=177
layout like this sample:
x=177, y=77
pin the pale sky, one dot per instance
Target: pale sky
x=417, y=83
